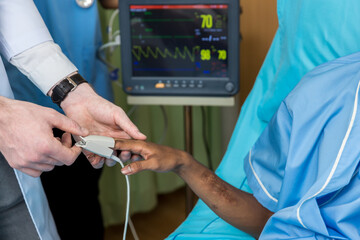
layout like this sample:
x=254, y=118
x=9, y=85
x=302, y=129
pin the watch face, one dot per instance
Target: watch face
x=85, y=3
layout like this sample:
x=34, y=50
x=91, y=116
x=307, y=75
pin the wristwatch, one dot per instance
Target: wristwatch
x=62, y=89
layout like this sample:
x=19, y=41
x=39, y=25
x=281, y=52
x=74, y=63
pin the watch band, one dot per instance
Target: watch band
x=62, y=89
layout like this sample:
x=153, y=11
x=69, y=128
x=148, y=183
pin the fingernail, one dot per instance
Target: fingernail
x=126, y=170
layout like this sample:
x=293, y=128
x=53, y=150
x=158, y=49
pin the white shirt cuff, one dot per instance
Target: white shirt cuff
x=45, y=65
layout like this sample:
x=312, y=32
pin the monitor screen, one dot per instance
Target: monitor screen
x=179, y=40
x=178, y=48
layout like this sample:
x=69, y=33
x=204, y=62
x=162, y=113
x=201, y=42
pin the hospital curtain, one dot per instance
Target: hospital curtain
x=150, y=120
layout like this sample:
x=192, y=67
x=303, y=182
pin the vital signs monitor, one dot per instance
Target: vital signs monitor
x=180, y=47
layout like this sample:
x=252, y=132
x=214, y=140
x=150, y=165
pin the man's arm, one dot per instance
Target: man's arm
x=99, y=116
x=26, y=138
x=26, y=43
x=237, y=207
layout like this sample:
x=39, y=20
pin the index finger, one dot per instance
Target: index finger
x=123, y=121
x=66, y=124
x=134, y=146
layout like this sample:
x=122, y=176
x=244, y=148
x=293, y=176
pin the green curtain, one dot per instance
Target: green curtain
x=146, y=185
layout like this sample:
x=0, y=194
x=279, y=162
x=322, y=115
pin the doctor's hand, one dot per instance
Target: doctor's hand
x=27, y=140
x=100, y=117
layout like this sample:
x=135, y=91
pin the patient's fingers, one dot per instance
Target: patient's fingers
x=125, y=156
x=134, y=146
x=136, y=157
x=110, y=162
x=136, y=167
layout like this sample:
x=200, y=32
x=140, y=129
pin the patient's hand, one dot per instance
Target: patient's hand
x=154, y=157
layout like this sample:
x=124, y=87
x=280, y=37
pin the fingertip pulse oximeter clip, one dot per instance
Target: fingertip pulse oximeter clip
x=100, y=145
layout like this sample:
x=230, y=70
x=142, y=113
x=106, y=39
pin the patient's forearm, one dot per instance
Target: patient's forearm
x=237, y=207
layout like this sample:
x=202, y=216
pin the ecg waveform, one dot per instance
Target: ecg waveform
x=147, y=52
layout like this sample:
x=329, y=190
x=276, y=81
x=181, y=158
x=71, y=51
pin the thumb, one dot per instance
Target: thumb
x=135, y=167
x=128, y=126
x=68, y=125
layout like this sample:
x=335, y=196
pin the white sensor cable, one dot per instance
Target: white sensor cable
x=116, y=159
x=103, y=146
x=111, y=23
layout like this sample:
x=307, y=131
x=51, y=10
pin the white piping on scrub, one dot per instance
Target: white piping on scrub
x=259, y=181
x=337, y=157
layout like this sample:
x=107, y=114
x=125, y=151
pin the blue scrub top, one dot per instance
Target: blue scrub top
x=77, y=31
x=304, y=167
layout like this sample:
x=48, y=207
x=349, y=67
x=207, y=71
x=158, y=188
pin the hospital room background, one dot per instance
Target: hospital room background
x=158, y=200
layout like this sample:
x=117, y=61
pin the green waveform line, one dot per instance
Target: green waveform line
x=140, y=52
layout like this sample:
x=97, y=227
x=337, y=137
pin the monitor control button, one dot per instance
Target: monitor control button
x=183, y=84
x=229, y=87
x=159, y=85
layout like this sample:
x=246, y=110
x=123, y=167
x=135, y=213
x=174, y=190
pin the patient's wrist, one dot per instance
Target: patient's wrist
x=185, y=162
